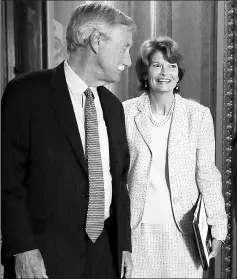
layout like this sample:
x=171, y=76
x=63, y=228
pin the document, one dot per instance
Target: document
x=202, y=232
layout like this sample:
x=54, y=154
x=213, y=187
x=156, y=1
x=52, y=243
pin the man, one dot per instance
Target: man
x=66, y=209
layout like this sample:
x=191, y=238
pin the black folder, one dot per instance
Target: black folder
x=202, y=232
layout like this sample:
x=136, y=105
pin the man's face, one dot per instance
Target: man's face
x=113, y=54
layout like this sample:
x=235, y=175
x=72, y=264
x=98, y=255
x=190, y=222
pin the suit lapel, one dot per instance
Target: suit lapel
x=142, y=121
x=108, y=112
x=178, y=141
x=62, y=105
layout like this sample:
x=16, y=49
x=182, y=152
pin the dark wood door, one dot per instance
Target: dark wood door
x=29, y=35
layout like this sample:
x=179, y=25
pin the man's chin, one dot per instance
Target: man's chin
x=115, y=79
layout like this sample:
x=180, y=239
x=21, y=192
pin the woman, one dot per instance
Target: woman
x=172, y=149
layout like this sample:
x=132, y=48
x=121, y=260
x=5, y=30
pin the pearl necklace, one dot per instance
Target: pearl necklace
x=167, y=117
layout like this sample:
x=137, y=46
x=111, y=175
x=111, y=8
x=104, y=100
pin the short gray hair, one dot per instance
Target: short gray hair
x=90, y=17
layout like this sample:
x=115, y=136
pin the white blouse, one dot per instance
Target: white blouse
x=158, y=208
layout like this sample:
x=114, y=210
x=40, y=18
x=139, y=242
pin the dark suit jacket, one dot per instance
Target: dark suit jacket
x=44, y=172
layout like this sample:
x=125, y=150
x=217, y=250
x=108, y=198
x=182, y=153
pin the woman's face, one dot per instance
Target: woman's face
x=162, y=76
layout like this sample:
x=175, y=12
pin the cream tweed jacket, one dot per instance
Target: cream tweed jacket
x=191, y=163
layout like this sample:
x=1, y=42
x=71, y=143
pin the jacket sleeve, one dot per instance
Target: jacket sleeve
x=17, y=235
x=209, y=179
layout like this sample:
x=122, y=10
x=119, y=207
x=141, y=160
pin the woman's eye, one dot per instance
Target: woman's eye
x=174, y=66
x=157, y=65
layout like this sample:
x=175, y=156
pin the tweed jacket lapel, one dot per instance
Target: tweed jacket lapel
x=179, y=152
x=142, y=121
x=139, y=141
x=178, y=141
x=62, y=105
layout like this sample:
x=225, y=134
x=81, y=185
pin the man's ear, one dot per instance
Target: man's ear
x=94, y=40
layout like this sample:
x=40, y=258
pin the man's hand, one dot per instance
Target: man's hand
x=215, y=248
x=127, y=265
x=30, y=264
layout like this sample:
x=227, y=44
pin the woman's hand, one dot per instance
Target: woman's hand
x=215, y=248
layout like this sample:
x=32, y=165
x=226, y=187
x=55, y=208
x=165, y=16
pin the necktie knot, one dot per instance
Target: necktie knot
x=89, y=93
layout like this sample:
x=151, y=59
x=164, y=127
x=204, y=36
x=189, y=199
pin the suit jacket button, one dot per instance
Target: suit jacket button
x=82, y=229
x=85, y=194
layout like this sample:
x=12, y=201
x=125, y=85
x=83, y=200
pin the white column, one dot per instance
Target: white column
x=110, y=86
x=50, y=33
x=153, y=18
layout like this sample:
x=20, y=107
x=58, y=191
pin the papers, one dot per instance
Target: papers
x=202, y=232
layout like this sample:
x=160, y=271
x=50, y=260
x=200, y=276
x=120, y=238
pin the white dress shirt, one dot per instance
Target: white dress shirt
x=76, y=87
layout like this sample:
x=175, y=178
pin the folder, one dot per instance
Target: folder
x=202, y=233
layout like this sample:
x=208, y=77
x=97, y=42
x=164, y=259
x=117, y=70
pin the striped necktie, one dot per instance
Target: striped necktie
x=95, y=212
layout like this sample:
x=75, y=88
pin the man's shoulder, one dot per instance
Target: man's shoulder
x=32, y=78
x=192, y=107
x=106, y=93
x=20, y=88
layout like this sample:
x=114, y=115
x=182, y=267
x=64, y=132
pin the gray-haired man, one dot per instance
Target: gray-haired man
x=65, y=158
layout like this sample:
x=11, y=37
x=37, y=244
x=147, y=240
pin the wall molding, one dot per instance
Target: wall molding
x=229, y=86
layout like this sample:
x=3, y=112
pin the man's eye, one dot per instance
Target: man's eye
x=156, y=65
x=174, y=66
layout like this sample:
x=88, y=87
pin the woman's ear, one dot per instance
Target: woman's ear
x=94, y=40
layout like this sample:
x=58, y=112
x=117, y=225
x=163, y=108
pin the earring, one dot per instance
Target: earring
x=176, y=88
x=145, y=83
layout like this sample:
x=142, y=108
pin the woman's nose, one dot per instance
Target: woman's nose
x=164, y=70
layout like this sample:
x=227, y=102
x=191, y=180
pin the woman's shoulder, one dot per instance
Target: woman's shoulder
x=130, y=102
x=133, y=103
x=193, y=106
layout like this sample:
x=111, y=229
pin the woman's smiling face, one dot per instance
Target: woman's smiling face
x=162, y=75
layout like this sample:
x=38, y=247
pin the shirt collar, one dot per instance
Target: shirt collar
x=75, y=83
